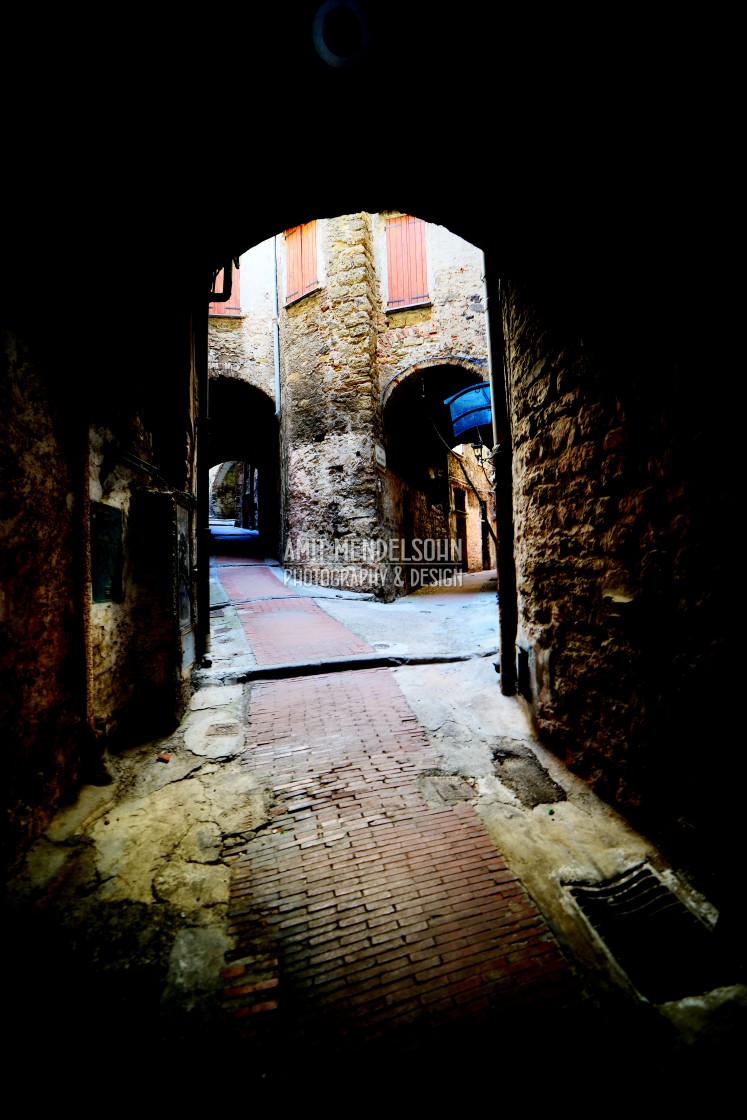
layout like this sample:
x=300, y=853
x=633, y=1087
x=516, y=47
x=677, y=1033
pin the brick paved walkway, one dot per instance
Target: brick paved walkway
x=281, y=626
x=362, y=916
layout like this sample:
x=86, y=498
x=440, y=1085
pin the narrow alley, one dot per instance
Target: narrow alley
x=400, y=845
x=353, y=853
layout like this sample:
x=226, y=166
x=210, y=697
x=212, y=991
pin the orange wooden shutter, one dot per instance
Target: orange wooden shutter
x=231, y=306
x=309, y=277
x=406, y=267
x=300, y=245
x=293, y=263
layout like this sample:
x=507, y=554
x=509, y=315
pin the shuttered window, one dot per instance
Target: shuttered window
x=231, y=306
x=406, y=265
x=300, y=248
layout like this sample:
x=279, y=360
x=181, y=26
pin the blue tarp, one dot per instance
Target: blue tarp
x=470, y=408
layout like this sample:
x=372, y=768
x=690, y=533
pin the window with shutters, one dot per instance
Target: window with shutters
x=407, y=274
x=231, y=306
x=301, y=266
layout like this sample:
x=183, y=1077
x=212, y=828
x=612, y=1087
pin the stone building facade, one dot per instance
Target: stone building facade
x=358, y=385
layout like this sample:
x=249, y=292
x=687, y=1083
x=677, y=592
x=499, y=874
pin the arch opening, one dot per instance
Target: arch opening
x=244, y=471
x=440, y=488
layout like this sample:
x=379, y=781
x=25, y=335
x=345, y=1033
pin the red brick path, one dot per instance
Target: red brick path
x=377, y=911
x=362, y=915
x=296, y=630
x=244, y=580
x=281, y=626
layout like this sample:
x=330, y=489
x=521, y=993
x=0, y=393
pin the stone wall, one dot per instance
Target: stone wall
x=452, y=327
x=449, y=334
x=224, y=500
x=329, y=404
x=137, y=628
x=579, y=531
x=342, y=352
x=42, y=679
x=621, y=643
x=111, y=621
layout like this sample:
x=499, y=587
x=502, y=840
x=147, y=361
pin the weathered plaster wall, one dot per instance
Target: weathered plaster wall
x=243, y=346
x=137, y=667
x=112, y=626
x=42, y=682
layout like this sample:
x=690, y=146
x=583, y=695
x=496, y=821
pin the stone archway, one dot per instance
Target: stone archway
x=245, y=459
x=438, y=491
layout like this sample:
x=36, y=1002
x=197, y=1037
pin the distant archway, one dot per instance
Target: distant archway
x=441, y=492
x=417, y=422
x=244, y=444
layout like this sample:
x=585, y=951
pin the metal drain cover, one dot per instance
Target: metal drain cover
x=662, y=945
x=444, y=789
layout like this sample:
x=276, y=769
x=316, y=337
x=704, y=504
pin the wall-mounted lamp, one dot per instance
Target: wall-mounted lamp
x=482, y=454
x=484, y=457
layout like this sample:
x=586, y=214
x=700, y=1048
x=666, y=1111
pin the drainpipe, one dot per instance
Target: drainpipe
x=276, y=327
x=503, y=489
x=278, y=401
x=202, y=466
x=491, y=378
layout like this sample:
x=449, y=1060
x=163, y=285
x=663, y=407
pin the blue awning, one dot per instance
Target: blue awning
x=470, y=409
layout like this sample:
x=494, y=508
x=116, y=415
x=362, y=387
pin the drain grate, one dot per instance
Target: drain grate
x=665, y=949
x=444, y=789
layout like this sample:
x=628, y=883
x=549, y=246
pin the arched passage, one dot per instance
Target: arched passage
x=616, y=215
x=244, y=431
x=318, y=366
x=417, y=423
x=440, y=492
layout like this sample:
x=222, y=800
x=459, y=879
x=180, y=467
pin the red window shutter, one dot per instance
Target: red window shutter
x=309, y=278
x=300, y=244
x=406, y=265
x=231, y=306
x=293, y=263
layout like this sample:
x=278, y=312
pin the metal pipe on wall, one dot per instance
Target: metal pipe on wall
x=276, y=326
x=199, y=325
x=503, y=485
